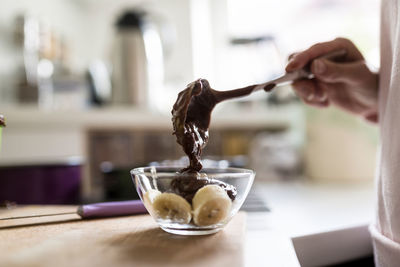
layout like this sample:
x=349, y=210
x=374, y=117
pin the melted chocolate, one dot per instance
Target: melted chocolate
x=191, y=116
x=269, y=87
x=187, y=186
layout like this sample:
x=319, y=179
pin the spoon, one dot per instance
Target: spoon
x=191, y=113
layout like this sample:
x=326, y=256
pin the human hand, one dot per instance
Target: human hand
x=348, y=84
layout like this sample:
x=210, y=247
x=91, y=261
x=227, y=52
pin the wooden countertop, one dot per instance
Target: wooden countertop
x=123, y=241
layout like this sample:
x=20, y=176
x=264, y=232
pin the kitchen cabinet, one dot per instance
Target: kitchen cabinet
x=123, y=137
x=112, y=153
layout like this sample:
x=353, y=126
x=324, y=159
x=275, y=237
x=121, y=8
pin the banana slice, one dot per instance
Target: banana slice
x=172, y=207
x=211, y=205
x=148, y=199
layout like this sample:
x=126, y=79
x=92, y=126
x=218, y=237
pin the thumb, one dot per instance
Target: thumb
x=333, y=72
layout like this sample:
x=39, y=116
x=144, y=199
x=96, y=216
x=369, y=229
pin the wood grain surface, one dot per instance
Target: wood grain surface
x=122, y=241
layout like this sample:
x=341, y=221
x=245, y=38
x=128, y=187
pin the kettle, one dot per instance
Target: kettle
x=138, y=64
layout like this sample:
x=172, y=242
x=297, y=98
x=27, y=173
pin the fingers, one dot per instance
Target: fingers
x=301, y=59
x=373, y=117
x=292, y=56
x=331, y=72
x=311, y=92
x=304, y=89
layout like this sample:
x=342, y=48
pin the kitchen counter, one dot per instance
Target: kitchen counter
x=298, y=209
x=120, y=241
x=334, y=216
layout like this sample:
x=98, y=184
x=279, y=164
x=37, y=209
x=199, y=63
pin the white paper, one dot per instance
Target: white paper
x=333, y=247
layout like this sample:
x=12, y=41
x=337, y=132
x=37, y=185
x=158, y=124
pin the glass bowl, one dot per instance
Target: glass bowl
x=151, y=182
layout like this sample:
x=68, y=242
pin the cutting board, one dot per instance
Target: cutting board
x=37, y=210
x=122, y=241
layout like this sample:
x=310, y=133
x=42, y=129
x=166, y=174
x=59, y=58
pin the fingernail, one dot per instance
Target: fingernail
x=310, y=97
x=292, y=64
x=323, y=97
x=319, y=66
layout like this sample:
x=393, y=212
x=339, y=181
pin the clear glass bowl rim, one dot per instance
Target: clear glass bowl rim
x=231, y=171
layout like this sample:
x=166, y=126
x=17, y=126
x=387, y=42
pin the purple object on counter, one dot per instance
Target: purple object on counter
x=109, y=209
x=41, y=184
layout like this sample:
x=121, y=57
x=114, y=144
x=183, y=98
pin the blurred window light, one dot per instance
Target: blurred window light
x=297, y=24
x=45, y=68
x=291, y=26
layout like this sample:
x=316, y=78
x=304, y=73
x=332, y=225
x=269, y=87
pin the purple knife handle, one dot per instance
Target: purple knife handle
x=109, y=209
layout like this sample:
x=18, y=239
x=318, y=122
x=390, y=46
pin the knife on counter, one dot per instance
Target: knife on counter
x=97, y=210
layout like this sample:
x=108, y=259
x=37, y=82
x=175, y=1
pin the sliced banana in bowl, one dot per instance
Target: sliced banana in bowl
x=148, y=200
x=211, y=205
x=192, y=203
x=170, y=206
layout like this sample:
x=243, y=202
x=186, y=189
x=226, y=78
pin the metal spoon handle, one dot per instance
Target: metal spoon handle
x=301, y=73
x=284, y=79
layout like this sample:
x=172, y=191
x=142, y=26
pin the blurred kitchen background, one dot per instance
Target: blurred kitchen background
x=87, y=87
